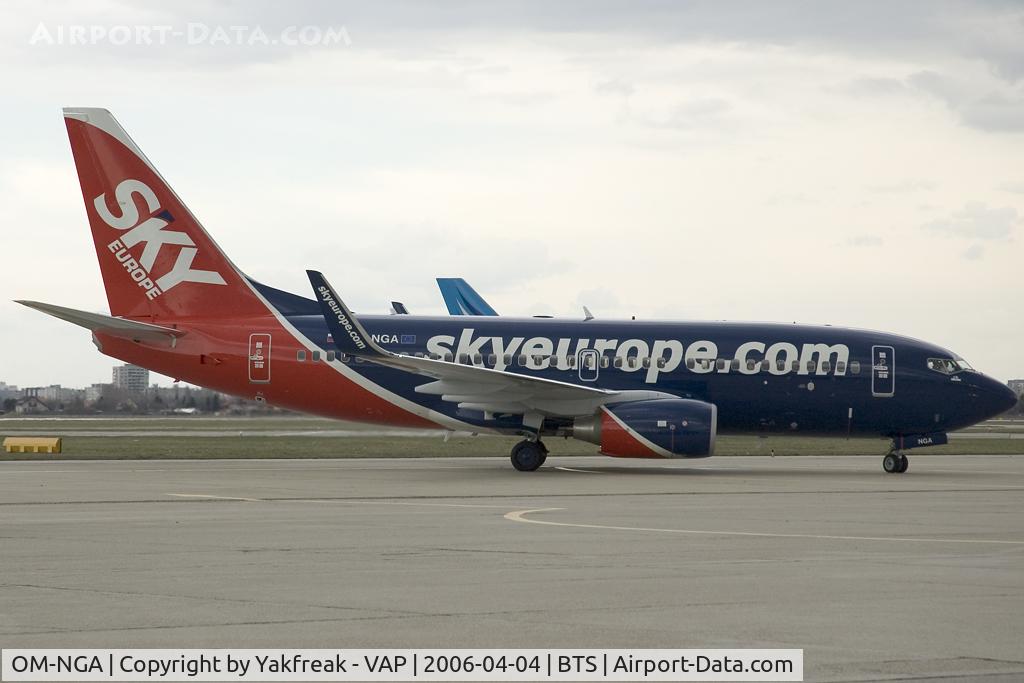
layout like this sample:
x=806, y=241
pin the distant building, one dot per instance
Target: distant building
x=8, y=391
x=131, y=378
x=31, y=405
x=55, y=394
x=1017, y=385
x=94, y=392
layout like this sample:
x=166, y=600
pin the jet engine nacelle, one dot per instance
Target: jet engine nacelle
x=657, y=428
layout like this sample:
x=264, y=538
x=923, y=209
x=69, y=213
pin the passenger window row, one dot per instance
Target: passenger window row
x=631, y=362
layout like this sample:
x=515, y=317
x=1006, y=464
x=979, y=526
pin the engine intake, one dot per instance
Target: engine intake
x=656, y=428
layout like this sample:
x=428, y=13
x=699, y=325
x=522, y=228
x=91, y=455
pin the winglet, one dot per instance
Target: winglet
x=348, y=333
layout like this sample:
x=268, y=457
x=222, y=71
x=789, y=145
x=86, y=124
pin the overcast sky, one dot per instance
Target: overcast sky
x=858, y=164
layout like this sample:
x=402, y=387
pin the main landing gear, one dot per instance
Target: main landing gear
x=528, y=455
x=895, y=462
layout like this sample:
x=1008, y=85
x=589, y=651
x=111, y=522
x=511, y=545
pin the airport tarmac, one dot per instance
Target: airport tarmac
x=876, y=576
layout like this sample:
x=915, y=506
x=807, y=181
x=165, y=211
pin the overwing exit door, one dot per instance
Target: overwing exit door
x=589, y=366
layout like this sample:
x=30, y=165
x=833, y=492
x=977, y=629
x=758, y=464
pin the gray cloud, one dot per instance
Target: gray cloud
x=615, y=87
x=876, y=87
x=994, y=110
x=865, y=241
x=903, y=187
x=991, y=32
x=695, y=113
x=977, y=221
x=973, y=252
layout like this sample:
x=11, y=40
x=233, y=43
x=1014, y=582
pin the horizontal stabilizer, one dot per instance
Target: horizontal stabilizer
x=118, y=327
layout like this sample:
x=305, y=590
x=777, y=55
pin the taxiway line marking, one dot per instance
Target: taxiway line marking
x=520, y=516
x=202, y=495
x=393, y=502
x=573, y=469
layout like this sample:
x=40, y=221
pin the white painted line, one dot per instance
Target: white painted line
x=520, y=516
x=573, y=469
x=200, y=495
x=390, y=502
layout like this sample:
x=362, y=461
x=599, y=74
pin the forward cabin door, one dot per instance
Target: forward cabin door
x=883, y=371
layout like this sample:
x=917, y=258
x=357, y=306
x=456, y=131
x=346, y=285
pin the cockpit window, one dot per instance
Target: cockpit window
x=964, y=365
x=947, y=366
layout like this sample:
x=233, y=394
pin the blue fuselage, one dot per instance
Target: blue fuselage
x=763, y=377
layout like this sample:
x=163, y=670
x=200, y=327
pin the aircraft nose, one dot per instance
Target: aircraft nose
x=1001, y=397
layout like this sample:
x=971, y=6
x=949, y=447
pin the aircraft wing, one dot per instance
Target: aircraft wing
x=117, y=327
x=471, y=386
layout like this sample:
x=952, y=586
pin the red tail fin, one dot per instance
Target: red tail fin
x=156, y=260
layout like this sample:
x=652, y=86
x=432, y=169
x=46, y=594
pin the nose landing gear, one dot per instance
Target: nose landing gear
x=895, y=462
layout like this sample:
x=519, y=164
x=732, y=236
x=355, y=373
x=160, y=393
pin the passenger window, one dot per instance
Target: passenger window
x=492, y=359
x=604, y=361
x=571, y=361
x=826, y=366
x=477, y=359
x=618, y=361
x=507, y=358
x=811, y=366
x=522, y=360
x=661, y=362
x=448, y=358
x=646, y=363
x=631, y=361
x=690, y=363
x=780, y=365
x=301, y=356
x=735, y=364
x=463, y=358
x=765, y=365
x=720, y=364
x=855, y=367
x=316, y=356
x=751, y=364
x=330, y=356
x=841, y=367
x=795, y=366
x=705, y=363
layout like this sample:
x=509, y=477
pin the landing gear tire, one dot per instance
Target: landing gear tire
x=527, y=455
x=895, y=463
x=891, y=463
